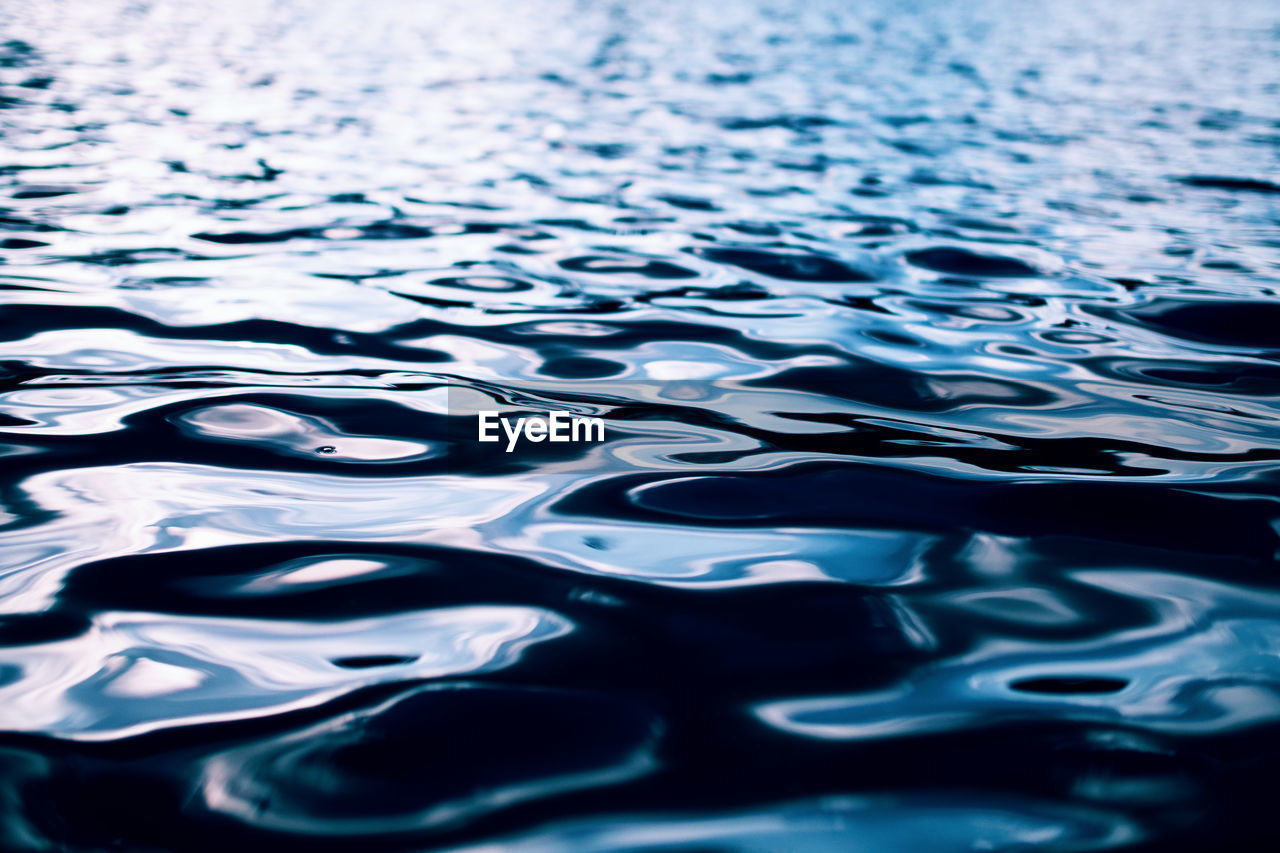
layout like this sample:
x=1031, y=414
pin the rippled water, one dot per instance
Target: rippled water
x=939, y=348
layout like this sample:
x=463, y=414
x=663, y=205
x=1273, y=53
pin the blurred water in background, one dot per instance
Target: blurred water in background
x=940, y=345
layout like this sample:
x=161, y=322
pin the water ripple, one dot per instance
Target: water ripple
x=939, y=502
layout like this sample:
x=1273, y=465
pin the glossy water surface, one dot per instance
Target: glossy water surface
x=940, y=350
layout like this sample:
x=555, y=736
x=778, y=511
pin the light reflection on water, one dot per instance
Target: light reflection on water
x=937, y=343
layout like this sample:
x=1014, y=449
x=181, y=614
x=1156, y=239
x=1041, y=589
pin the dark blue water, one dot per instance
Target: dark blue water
x=939, y=348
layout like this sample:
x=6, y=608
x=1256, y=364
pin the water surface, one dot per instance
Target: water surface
x=938, y=348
